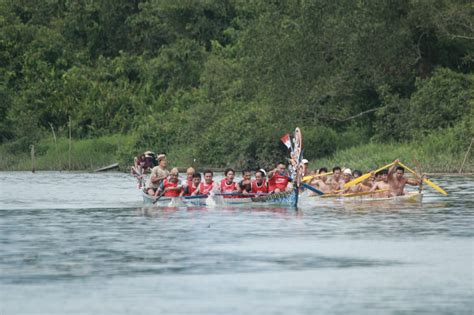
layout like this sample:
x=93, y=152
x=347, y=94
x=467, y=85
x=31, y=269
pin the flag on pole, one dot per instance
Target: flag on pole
x=286, y=141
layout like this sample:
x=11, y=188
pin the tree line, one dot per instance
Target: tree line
x=221, y=80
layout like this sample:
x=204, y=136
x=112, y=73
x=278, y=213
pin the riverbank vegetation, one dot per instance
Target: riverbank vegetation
x=216, y=83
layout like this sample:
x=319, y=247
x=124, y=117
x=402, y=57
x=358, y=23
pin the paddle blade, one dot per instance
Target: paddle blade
x=309, y=177
x=426, y=180
x=434, y=186
x=309, y=187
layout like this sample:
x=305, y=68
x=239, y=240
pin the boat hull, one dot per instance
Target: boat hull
x=289, y=198
x=412, y=197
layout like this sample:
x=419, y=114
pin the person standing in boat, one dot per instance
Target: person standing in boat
x=158, y=174
x=171, y=186
x=192, y=189
x=227, y=183
x=397, y=181
x=259, y=185
x=278, y=179
x=245, y=185
x=208, y=186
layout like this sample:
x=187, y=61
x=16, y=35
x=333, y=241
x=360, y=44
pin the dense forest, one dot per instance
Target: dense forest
x=220, y=81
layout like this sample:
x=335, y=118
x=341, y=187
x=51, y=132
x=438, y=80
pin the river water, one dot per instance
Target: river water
x=82, y=244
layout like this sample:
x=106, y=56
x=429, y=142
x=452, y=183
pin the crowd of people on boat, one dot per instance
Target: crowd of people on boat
x=161, y=182
x=389, y=182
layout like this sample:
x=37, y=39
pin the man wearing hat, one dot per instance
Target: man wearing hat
x=158, y=174
x=305, y=163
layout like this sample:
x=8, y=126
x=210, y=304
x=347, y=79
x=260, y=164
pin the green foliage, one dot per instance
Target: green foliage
x=219, y=82
x=441, y=101
x=86, y=154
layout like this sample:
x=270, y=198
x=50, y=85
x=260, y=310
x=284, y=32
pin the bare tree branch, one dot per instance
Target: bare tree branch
x=352, y=117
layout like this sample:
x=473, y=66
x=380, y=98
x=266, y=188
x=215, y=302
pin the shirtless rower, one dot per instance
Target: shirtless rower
x=364, y=186
x=321, y=182
x=158, y=174
x=305, y=163
x=336, y=179
x=397, y=180
x=347, y=177
x=381, y=183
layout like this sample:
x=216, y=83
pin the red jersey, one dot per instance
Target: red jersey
x=205, y=189
x=278, y=181
x=256, y=189
x=189, y=189
x=225, y=188
x=171, y=193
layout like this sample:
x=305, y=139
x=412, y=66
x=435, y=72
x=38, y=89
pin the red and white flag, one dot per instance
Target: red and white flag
x=286, y=141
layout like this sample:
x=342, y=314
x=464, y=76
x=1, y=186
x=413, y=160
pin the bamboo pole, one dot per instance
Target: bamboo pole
x=465, y=156
x=70, y=145
x=55, y=145
x=33, y=168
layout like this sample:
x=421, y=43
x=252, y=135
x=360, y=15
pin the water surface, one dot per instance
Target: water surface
x=82, y=244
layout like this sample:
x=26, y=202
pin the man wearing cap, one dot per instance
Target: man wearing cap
x=158, y=174
x=347, y=177
x=305, y=163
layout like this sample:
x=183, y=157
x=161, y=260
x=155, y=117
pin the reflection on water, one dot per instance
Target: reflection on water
x=86, y=241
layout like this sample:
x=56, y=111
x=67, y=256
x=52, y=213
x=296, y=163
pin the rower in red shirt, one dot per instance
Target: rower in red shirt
x=260, y=184
x=278, y=179
x=193, y=188
x=227, y=184
x=208, y=186
x=171, y=186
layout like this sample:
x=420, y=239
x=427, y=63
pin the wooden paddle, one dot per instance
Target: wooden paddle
x=158, y=198
x=315, y=190
x=419, y=174
x=365, y=176
x=310, y=177
x=426, y=180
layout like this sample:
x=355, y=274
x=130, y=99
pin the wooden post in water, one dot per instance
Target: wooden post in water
x=55, y=145
x=33, y=169
x=465, y=156
x=70, y=145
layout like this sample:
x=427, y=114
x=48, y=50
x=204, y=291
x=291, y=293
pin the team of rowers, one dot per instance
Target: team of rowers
x=389, y=182
x=167, y=183
x=386, y=183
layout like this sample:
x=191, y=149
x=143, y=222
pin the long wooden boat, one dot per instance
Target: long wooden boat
x=411, y=197
x=287, y=198
x=107, y=168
